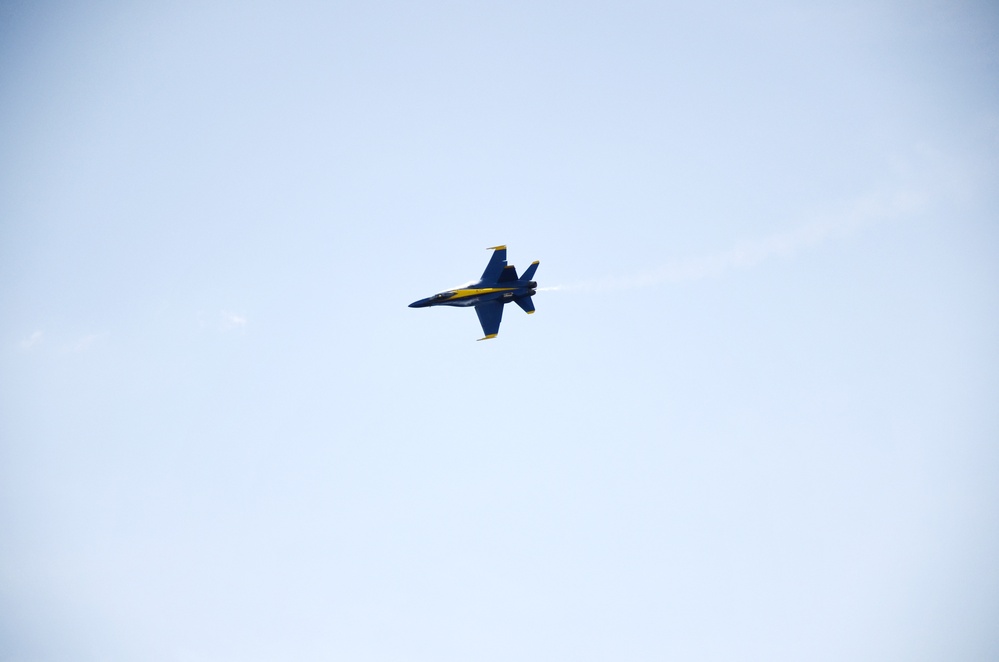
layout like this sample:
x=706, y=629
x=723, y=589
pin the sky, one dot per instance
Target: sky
x=754, y=417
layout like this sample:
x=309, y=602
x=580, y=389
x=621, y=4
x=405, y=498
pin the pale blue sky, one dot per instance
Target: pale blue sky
x=754, y=417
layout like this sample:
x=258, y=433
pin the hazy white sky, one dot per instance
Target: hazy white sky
x=754, y=417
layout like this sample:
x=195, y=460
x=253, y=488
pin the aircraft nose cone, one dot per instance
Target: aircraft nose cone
x=418, y=304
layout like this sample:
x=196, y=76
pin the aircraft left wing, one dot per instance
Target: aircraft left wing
x=495, y=267
x=490, y=315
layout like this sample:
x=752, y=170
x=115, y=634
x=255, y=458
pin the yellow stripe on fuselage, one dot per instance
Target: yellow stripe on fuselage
x=478, y=291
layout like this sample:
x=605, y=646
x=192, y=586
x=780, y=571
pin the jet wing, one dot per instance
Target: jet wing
x=495, y=267
x=490, y=315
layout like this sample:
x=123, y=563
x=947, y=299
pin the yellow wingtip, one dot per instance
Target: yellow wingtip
x=530, y=312
x=491, y=335
x=496, y=248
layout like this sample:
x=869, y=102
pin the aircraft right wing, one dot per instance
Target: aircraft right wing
x=490, y=315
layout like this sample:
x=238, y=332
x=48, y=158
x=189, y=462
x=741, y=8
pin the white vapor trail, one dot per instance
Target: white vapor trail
x=751, y=253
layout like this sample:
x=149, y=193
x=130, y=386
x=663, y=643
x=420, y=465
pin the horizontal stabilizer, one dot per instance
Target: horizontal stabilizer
x=527, y=303
x=529, y=274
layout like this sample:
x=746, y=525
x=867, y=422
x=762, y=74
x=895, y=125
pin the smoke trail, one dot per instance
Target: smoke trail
x=749, y=254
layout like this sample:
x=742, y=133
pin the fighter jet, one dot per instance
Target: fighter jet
x=499, y=285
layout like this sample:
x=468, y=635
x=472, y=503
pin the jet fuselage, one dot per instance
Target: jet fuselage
x=473, y=296
x=498, y=285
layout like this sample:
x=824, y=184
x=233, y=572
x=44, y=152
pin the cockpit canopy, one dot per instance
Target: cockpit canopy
x=442, y=296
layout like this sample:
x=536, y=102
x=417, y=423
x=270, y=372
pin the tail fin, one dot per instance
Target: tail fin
x=509, y=274
x=529, y=274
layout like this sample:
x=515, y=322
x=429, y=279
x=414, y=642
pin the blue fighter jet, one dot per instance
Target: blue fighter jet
x=499, y=285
